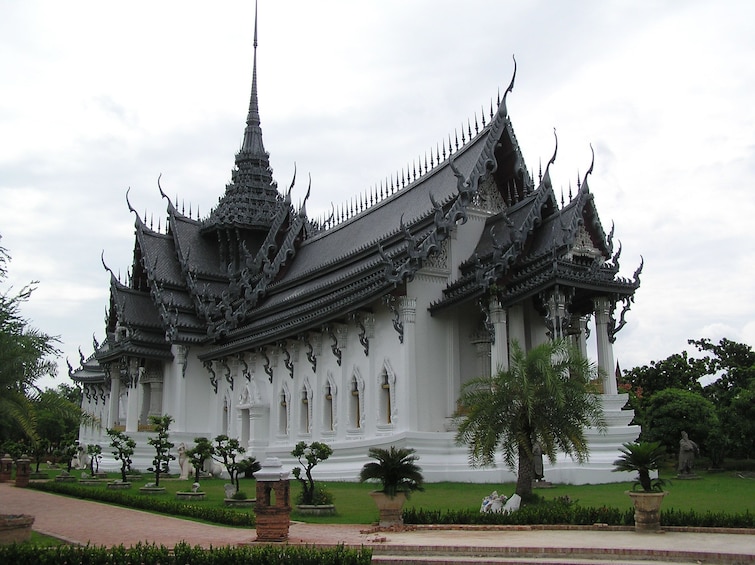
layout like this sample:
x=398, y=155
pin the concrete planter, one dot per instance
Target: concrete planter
x=239, y=503
x=389, y=508
x=15, y=528
x=91, y=482
x=38, y=476
x=188, y=495
x=65, y=479
x=118, y=486
x=316, y=509
x=152, y=490
x=647, y=510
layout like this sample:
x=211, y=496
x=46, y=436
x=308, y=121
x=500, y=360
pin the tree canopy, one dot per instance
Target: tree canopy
x=730, y=368
x=545, y=396
x=25, y=356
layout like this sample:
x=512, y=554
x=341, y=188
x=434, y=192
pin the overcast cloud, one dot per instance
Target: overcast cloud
x=97, y=97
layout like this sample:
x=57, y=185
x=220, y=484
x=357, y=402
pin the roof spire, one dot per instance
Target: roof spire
x=253, y=134
x=251, y=199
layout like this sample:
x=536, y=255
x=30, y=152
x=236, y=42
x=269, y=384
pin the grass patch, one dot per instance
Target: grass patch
x=714, y=492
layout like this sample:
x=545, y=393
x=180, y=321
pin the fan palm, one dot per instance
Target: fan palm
x=642, y=457
x=395, y=469
x=545, y=397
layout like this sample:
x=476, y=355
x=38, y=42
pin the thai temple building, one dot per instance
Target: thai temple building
x=359, y=329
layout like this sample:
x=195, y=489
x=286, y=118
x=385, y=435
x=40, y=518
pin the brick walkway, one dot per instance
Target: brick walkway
x=81, y=521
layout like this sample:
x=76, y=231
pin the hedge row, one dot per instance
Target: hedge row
x=542, y=513
x=559, y=512
x=182, y=553
x=152, y=504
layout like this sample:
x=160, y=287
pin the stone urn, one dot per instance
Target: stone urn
x=15, y=528
x=389, y=508
x=647, y=510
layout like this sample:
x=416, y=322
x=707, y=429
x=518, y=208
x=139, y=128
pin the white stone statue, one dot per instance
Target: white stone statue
x=493, y=502
x=230, y=490
x=81, y=461
x=212, y=467
x=184, y=463
x=513, y=504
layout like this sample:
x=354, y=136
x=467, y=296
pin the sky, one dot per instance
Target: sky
x=97, y=98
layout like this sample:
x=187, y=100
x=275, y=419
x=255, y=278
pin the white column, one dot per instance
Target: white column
x=408, y=419
x=115, y=393
x=517, y=329
x=179, y=388
x=132, y=407
x=499, y=352
x=605, y=347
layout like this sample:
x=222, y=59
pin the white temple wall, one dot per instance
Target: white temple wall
x=200, y=400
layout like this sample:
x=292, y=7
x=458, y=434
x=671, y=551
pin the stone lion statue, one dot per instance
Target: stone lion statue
x=184, y=463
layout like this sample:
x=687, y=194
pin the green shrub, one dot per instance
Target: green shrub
x=182, y=553
x=562, y=511
x=163, y=506
x=690, y=518
x=320, y=496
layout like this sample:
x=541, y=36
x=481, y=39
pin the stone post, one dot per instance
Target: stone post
x=605, y=347
x=6, y=468
x=23, y=470
x=273, y=506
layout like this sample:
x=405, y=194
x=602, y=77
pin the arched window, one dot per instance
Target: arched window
x=385, y=399
x=304, y=410
x=283, y=413
x=386, y=391
x=355, y=404
x=328, y=420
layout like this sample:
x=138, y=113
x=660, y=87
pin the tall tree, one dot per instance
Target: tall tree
x=673, y=411
x=733, y=392
x=24, y=357
x=546, y=396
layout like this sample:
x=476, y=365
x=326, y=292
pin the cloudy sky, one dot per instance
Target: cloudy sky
x=99, y=97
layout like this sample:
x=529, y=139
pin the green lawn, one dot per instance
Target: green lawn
x=716, y=492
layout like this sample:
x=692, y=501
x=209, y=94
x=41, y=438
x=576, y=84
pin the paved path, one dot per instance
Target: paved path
x=81, y=521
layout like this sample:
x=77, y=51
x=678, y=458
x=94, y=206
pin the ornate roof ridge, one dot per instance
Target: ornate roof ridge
x=418, y=170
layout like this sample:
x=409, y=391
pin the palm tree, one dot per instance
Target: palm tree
x=544, y=397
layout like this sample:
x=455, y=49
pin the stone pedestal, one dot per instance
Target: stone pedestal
x=23, y=471
x=273, y=506
x=647, y=511
x=15, y=528
x=6, y=468
x=389, y=508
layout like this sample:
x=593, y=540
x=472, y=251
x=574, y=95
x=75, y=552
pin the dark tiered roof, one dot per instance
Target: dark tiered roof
x=257, y=271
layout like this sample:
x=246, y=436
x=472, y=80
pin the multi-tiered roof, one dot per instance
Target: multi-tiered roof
x=256, y=270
